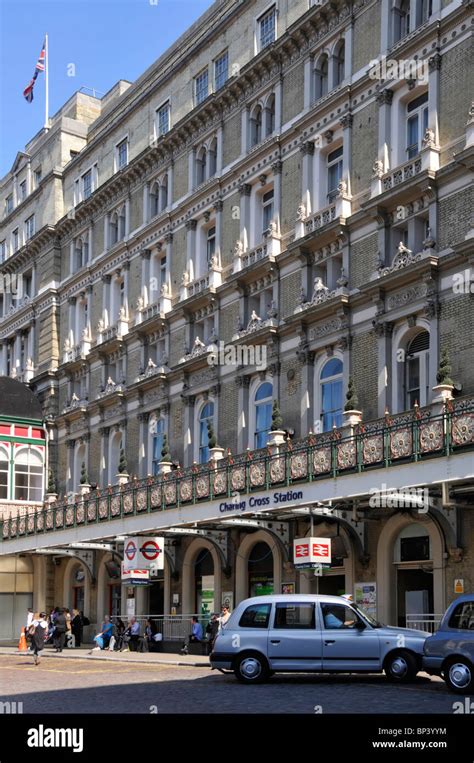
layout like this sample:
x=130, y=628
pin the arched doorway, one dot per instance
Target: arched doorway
x=201, y=577
x=76, y=587
x=247, y=572
x=414, y=565
x=400, y=542
x=204, y=597
x=260, y=575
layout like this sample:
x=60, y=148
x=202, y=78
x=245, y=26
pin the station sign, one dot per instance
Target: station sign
x=134, y=577
x=309, y=551
x=144, y=553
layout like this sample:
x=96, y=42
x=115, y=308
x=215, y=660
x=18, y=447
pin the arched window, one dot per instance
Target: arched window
x=330, y=381
x=201, y=166
x=213, y=158
x=339, y=63
x=115, y=446
x=263, y=413
x=402, y=20
x=321, y=77
x=417, y=370
x=154, y=199
x=81, y=253
x=269, y=122
x=158, y=433
x=256, y=126
x=164, y=194
x=207, y=414
x=114, y=228
x=121, y=224
x=29, y=469
x=4, y=473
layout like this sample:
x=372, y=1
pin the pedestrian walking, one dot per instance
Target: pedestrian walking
x=39, y=631
x=59, y=630
x=225, y=614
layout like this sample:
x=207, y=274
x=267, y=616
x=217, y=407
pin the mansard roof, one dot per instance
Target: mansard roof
x=18, y=401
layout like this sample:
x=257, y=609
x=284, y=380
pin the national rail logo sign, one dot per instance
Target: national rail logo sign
x=312, y=551
x=143, y=553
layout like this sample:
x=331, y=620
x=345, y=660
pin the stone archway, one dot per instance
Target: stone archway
x=386, y=569
x=189, y=561
x=71, y=565
x=243, y=554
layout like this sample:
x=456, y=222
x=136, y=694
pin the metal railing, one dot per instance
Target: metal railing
x=171, y=627
x=410, y=437
x=424, y=622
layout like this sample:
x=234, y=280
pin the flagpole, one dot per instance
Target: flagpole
x=46, y=82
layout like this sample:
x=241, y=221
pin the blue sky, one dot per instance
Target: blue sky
x=106, y=40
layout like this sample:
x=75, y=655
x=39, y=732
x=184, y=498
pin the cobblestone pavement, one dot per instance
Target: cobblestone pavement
x=85, y=686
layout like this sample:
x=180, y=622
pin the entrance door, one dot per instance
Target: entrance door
x=157, y=597
x=332, y=585
x=78, y=597
x=414, y=593
x=204, y=577
x=260, y=567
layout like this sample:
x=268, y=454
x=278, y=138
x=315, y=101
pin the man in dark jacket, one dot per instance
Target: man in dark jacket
x=60, y=631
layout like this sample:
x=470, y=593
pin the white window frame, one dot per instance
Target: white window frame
x=421, y=113
x=23, y=190
x=200, y=404
x=165, y=105
x=258, y=29
x=8, y=204
x=336, y=161
x=317, y=387
x=30, y=227
x=3, y=250
x=224, y=54
x=118, y=146
x=79, y=183
x=15, y=240
x=37, y=177
x=204, y=71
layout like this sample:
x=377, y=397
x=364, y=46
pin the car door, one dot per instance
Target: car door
x=294, y=641
x=348, y=643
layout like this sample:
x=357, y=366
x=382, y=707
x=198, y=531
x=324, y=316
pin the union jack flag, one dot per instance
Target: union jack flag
x=40, y=66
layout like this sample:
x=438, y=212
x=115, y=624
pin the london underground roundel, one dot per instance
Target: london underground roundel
x=150, y=550
x=130, y=550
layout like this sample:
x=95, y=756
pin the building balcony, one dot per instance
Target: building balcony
x=269, y=247
x=153, y=370
x=156, y=309
x=338, y=209
x=111, y=388
x=405, y=258
x=427, y=160
x=79, y=351
x=116, y=330
x=200, y=349
x=440, y=432
x=76, y=403
x=256, y=323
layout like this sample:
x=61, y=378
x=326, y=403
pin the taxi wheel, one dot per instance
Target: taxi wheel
x=400, y=667
x=459, y=675
x=251, y=668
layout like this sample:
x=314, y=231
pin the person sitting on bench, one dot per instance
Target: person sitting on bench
x=196, y=635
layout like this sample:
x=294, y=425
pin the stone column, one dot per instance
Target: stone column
x=90, y=236
x=308, y=76
x=191, y=168
x=72, y=320
x=277, y=170
x=245, y=190
x=243, y=436
x=189, y=435
x=146, y=203
x=145, y=293
x=346, y=121
x=278, y=109
x=306, y=358
x=170, y=183
x=386, y=27
x=106, y=231
x=220, y=134
x=383, y=330
x=127, y=216
x=307, y=151
x=244, y=131
x=191, y=264
x=384, y=100
x=348, y=45
x=143, y=453
x=106, y=279
x=218, y=207
x=104, y=456
x=434, y=68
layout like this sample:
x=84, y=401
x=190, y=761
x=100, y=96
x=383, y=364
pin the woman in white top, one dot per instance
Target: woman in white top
x=38, y=631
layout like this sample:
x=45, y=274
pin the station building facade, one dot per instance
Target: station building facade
x=269, y=212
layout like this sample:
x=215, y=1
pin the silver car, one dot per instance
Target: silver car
x=450, y=651
x=306, y=633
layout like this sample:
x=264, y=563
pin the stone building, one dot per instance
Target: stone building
x=279, y=205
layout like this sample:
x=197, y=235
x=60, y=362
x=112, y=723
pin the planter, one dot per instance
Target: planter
x=165, y=467
x=122, y=479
